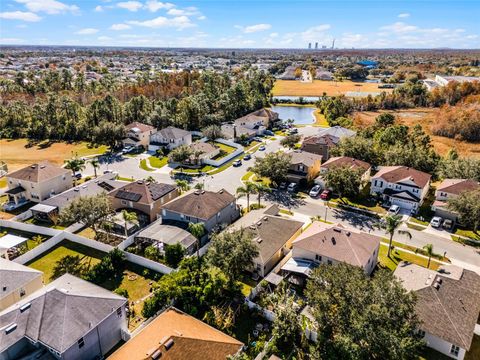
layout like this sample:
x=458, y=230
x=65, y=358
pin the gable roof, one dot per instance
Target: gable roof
x=167, y=234
x=171, y=132
x=142, y=191
x=201, y=204
x=336, y=242
x=337, y=131
x=448, y=306
x=140, y=126
x=398, y=174
x=457, y=186
x=38, y=172
x=327, y=139
x=59, y=314
x=304, y=157
x=346, y=161
x=14, y=276
x=175, y=335
x=261, y=114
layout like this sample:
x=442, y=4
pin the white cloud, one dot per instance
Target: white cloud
x=403, y=15
x=154, y=5
x=20, y=15
x=104, y=38
x=202, y=17
x=98, y=8
x=179, y=22
x=130, y=5
x=254, y=28
x=273, y=35
x=11, y=41
x=118, y=27
x=399, y=27
x=188, y=11
x=48, y=6
x=87, y=31
x=316, y=33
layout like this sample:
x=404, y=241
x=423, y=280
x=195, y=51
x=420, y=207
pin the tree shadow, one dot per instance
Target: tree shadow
x=285, y=199
x=358, y=221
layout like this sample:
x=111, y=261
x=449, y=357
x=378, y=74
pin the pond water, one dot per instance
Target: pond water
x=302, y=115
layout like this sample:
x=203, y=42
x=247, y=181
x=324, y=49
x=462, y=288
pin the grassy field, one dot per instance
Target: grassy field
x=318, y=87
x=17, y=155
x=424, y=117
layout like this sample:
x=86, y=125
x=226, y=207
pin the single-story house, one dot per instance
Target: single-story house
x=449, y=189
x=401, y=185
x=69, y=318
x=304, y=166
x=170, y=138
x=146, y=197
x=176, y=335
x=345, y=161
x=322, y=74
x=214, y=209
x=448, y=305
x=272, y=234
x=206, y=150
x=138, y=134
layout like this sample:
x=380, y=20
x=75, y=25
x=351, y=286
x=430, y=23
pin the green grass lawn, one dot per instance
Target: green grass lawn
x=87, y=232
x=417, y=221
x=467, y=233
x=122, y=178
x=34, y=221
x=398, y=255
x=144, y=165
x=361, y=203
x=3, y=182
x=157, y=162
x=227, y=148
x=464, y=241
x=46, y=262
x=415, y=227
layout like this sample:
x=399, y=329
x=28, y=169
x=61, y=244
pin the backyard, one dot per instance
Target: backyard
x=33, y=240
x=224, y=150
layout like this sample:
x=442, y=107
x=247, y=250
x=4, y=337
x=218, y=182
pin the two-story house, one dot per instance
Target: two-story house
x=170, y=138
x=250, y=125
x=320, y=144
x=70, y=318
x=138, y=135
x=36, y=183
x=213, y=209
x=304, y=166
x=449, y=189
x=348, y=162
x=401, y=185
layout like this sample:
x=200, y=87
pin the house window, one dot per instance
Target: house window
x=318, y=258
x=398, y=187
x=375, y=183
x=187, y=218
x=119, y=312
x=415, y=191
x=454, y=350
x=22, y=292
x=81, y=343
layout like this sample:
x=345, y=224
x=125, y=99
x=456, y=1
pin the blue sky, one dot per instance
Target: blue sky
x=240, y=24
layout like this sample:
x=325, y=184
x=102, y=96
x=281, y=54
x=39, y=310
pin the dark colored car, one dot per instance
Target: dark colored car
x=326, y=194
x=247, y=157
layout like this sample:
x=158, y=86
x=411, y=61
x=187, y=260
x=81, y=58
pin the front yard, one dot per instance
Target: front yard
x=398, y=255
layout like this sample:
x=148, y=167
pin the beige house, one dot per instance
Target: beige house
x=138, y=134
x=450, y=189
x=304, y=166
x=36, y=183
x=16, y=282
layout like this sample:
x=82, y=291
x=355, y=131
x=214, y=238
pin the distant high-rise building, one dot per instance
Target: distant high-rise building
x=333, y=44
x=316, y=46
x=309, y=46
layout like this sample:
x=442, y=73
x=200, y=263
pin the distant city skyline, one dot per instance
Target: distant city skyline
x=241, y=24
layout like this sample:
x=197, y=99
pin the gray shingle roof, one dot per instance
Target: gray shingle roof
x=14, y=276
x=38, y=172
x=171, y=132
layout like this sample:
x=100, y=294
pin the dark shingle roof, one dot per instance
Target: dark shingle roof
x=142, y=191
x=14, y=276
x=305, y=158
x=456, y=186
x=346, y=161
x=201, y=204
x=171, y=132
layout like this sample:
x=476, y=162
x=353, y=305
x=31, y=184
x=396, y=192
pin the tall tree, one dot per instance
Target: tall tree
x=212, y=132
x=246, y=190
x=344, y=180
x=273, y=166
x=390, y=224
x=467, y=205
x=290, y=141
x=429, y=250
x=129, y=217
x=95, y=165
x=197, y=230
x=261, y=189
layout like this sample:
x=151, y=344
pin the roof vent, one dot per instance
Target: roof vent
x=347, y=233
x=259, y=223
x=203, y=192
x=76, y=189
x=140, y=182
x=10, y=328
x=42, y=166
x=157, y=354
x=221, y=191
x=197, y=192
x=33, y=166
x=259, y=240
x=436, y=286
x=25, y=307
x=169, y=344
x=334, y=241
x=265, y=218
x=337, y=230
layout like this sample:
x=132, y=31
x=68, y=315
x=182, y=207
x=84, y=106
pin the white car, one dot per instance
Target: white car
x=315, y=191
x=292, y=187
x=436, y=222
x=394, y=210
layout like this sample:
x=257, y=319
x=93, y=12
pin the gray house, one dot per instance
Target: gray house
x=69, y=319
x=214, y=209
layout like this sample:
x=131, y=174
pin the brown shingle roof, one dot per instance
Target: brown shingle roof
x=305, y=158
x=142, y=191
x=201, y=204
x=346, y=161
x=185, y=337
x=327, y=139
x=456, y=186
x=142, y=127
x=38, y=172
x=396, y=174
x=338, y=243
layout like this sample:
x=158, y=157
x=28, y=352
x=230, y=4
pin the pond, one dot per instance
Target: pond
x=303, y=115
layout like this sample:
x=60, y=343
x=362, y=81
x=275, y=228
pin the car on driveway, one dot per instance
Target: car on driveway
x=326, y=194
x=315, y=191
x=127, y=149
x=237, y=163
x=269, y=133
x=447, y=224
x=292, y=187
x=283, y=186
x=394, y=210
x=262, y=148
x=436, y=222
x=247, y=157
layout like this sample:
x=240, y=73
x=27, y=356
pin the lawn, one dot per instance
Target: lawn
x=87, y=232
x=33, y=239
x=3, y=182
x=464, y=241
x=46, y=262
x=157, y=162
x=122, y=178
x=227, y=148
x=361, y=203
x=319, y=87
x=467, y=233
x=144, y=165
x=34, y=221
x=17, y=154
x=399, y=255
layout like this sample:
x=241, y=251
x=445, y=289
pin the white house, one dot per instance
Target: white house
x=448, y=305
x=170, y=137
x=401, y=185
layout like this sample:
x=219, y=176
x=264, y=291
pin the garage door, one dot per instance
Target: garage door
x=404, y=204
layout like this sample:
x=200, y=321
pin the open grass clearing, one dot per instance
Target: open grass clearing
x=17, y=154
x=319, y=87
x=50, y=225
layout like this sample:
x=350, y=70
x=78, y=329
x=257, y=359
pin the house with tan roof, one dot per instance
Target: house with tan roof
x=138, y=134
x=329, y=244
x=401, y=185
x=345, y=161
x=214, y=209
x=146, y=197
x=448, y=305
x=174, y=335
x=36, y=183
x=449, y=189
x=304, y=166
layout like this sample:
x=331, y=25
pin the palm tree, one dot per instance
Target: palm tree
x=95, y=164
x=129, y=217
x=197, y=230
x=391, y=224
x=75, y=164
x=261, y=189
x=150, y=179
x=183, y=185
x=246, y=190
x=429, y=250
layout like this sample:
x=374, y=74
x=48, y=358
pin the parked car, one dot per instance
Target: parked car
x=237, y=163
x=326, y=194
x=293, y=131
x=127, y=149
x=107, y=171
x=283, y=186
x=262, y=148
x=247, y=157
x=436, y=222
x=269, y=133
x=292, y=187
x=315, y=191
x=447, y=224
x=78, y=176
x=257, y=138
x=394, y=210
